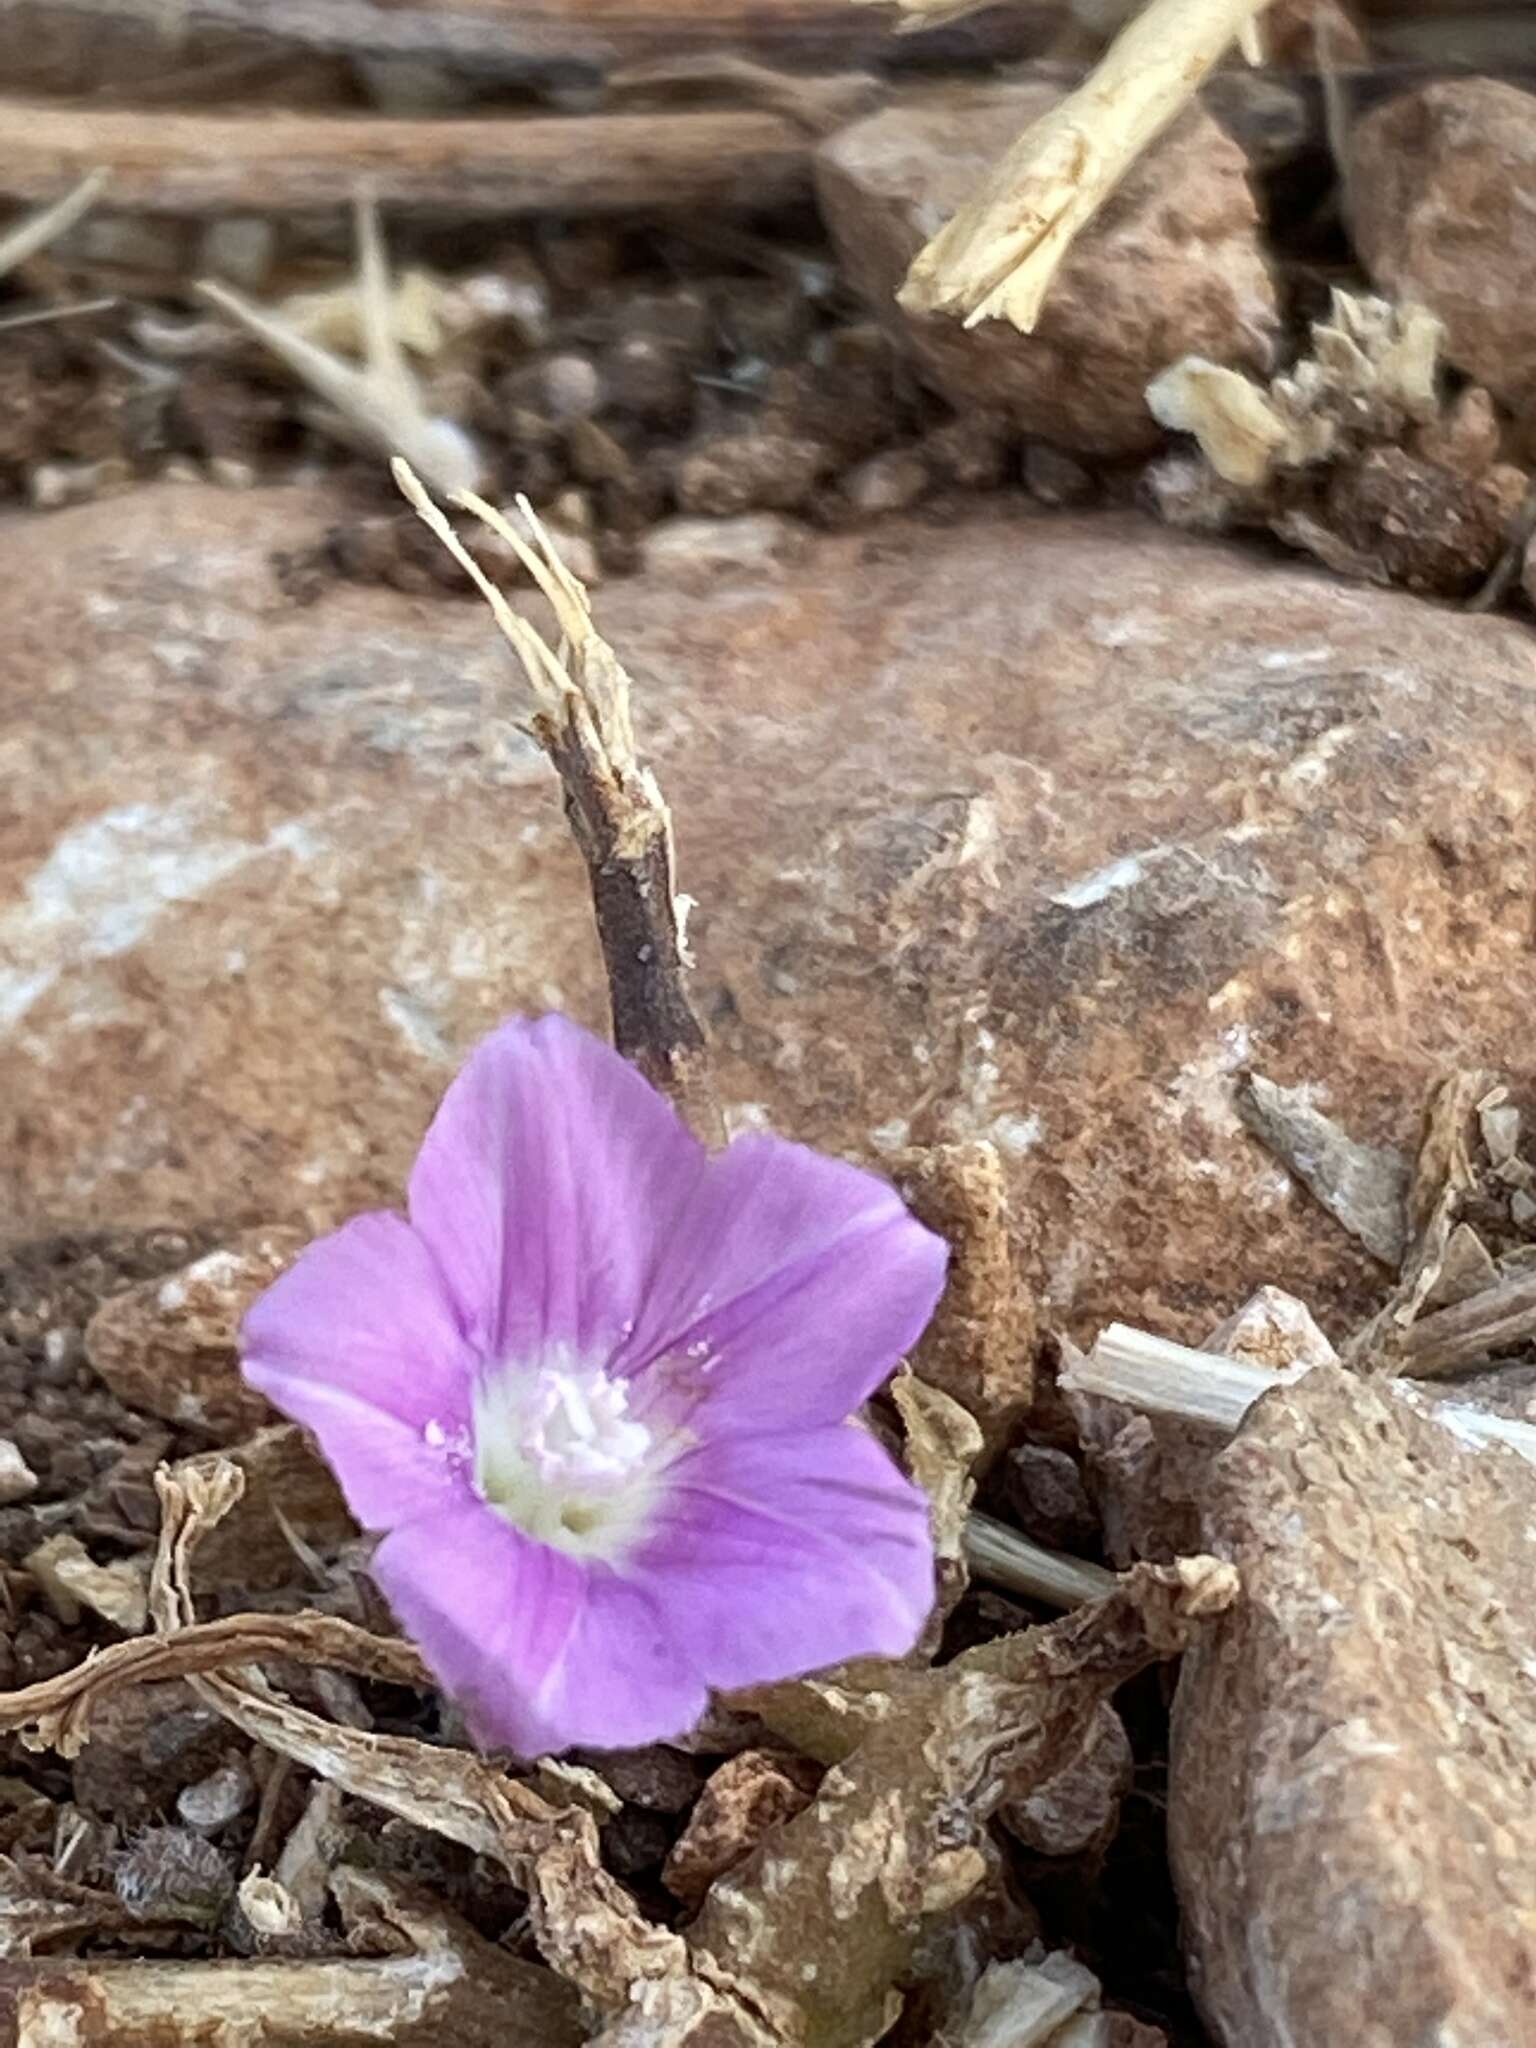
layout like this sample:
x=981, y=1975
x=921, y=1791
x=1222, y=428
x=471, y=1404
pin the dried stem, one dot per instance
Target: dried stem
x=1455, y=1338
x=1157, y=1377
x=1005, y=1558
x=615, y=808
x=997, y=257
x=436, y=1981
x=49, y=222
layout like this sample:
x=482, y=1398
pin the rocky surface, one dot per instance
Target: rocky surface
x=1352, y=1773
x=1439, y=187
x=1171, y=266
x=1032, y=828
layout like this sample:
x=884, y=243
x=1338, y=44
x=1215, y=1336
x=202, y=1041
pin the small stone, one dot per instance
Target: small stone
x=1466, y=438
x=747, y=1797
x=887, y=483
x=168, y=1347
x=1439, y=181
x=146, y=1743
x=1522, y=1208
x=1430, y=529
x=1077, y=1812
x=970, y=452
x=750, y=472
x=17, y=1479
x=231, y=472
x=1500, y=1126
x=240, y=249
x=1172, y=265
x=171, y=1868
x=694, y=552
x=559, y=387
x=1054, y=477
x=579, y=256
x=271, y=1912
x=213, y=1802
x=1047, y=1498
x=649, y=380
x=1275, y=1330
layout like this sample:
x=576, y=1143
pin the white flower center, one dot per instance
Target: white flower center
x=559, y=1454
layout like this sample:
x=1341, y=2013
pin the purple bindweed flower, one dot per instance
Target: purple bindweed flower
x=596, y=1391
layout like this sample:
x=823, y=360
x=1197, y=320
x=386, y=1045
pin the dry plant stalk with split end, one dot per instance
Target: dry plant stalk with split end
x=616, y=811
x=996, y=258
x=50, y=222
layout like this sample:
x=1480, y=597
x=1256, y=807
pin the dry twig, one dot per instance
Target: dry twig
x=615, y=809
x=996, y=258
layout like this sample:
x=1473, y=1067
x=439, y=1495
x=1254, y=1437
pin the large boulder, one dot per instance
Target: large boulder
x=1171, y=265
x=1440, y=182
x=1034, y=827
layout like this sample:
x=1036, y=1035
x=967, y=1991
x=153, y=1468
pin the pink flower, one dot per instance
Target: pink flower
x=596, y=1390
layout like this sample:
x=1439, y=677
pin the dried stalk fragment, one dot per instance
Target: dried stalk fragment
x=1158, y=1377
x=1004, y=1557
x=586, y=1924
x=616, y=811
x=50, y=222
x=444, y=1983
x=996, y=258
x=55, y=1713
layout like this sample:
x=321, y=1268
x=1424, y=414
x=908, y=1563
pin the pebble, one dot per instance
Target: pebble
x=17, y=1479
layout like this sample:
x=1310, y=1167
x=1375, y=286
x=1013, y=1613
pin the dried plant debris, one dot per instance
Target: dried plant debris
x=417, y=1977
x=817, y=1926
x=380, y=407
x=1352, y=455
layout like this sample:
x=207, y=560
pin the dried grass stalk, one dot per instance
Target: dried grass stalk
x=996, y=258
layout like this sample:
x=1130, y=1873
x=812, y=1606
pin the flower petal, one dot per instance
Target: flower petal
x=358, y=1341
x=541, y=1651
x=549, y=1186
x=784, y=1554
x=795, y=1284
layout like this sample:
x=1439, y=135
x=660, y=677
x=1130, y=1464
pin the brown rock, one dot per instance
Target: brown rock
x=694, y=552
x=1077, y=1811
x=146, y=1743
x=1429, y=528
x=1031, y=829
x=1172, y=265
x=1439, y=182
x=750, y=472
x=889, y=482
x=169, y=1346
x=745, y=1798
x=1354, y=1743
x=979, y=1347
x=1046, y=1497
